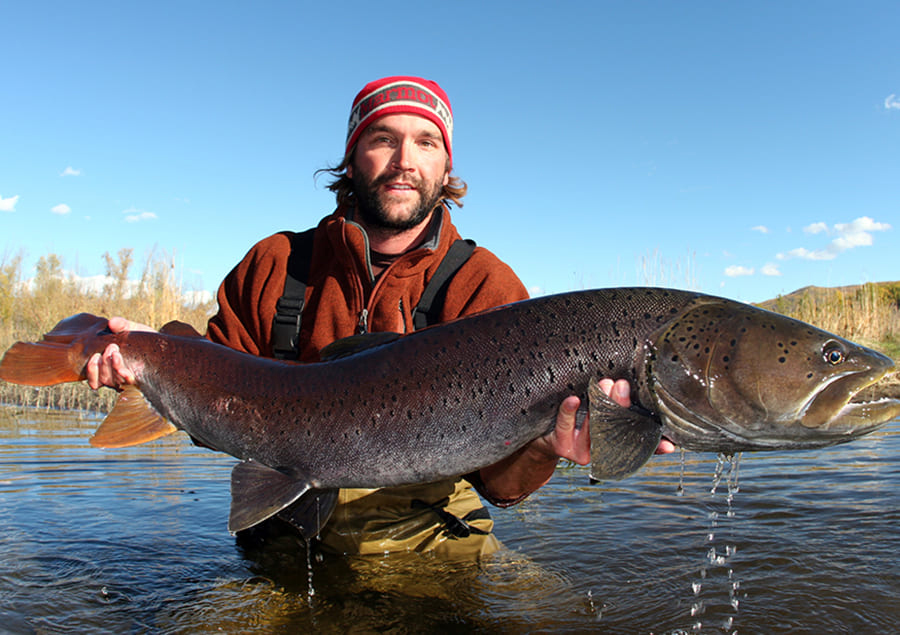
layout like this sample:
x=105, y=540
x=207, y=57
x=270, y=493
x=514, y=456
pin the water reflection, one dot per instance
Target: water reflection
x=134, y=540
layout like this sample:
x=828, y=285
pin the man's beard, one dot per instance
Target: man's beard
x=372, y=209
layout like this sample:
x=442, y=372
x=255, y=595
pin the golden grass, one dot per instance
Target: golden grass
x=868, y=313
x=28, y=310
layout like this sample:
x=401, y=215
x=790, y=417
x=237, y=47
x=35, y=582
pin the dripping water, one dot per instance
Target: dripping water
x=717, y=556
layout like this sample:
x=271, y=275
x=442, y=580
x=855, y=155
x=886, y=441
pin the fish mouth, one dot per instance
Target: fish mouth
x=840, y=411
x=866, y=411
x=845, y=406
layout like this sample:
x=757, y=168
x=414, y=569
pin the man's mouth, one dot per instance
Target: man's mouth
x=400, y=188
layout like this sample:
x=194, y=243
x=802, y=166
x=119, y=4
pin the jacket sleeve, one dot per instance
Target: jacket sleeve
x=247, y=298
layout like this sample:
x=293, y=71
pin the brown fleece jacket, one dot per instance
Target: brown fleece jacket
x=342, y=293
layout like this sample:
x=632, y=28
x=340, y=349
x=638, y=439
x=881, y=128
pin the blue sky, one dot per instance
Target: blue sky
x=743, y=149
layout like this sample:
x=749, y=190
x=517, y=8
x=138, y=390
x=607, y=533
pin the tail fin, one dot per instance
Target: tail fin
x=60, y=357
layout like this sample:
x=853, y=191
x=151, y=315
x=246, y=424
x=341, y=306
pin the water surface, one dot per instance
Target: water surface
x=134, y=541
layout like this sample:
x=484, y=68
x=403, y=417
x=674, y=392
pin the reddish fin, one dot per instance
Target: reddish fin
x=41, y=364
x=59, y=358
x=133, y=421
x=181, y=329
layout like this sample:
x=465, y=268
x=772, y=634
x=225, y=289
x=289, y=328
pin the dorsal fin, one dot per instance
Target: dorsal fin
x=347, y=346
x=181, y=329
x=132, y=421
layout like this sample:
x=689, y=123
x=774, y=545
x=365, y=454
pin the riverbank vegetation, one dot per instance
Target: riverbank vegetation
x=868, y=314
x=31, y=307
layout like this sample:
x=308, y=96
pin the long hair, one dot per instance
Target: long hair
x=342, y=185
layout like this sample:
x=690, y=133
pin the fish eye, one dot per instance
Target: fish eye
x=833, y=353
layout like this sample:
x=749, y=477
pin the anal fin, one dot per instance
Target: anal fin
x=132, y=421
x=259, y=492
x=309, y=513
x=622, y=440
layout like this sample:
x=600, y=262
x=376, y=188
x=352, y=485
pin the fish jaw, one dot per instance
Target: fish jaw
x=853, y=419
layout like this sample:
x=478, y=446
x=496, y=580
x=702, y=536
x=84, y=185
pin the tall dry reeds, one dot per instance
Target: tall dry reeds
x=868, y=314
x=28, y=309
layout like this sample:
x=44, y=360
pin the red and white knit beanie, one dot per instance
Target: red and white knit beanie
x=401, y=94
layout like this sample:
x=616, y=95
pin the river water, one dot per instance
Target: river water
x=134, y=541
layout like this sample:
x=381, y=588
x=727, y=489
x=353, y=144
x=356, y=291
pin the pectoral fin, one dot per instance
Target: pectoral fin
x=622, y=440
x=259, y=492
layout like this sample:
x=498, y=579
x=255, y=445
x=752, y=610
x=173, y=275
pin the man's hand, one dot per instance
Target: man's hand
x=516, y=476
x=108, y=368
x=574, y=444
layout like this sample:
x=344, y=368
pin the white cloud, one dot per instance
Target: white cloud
x=736, y=270
x=857, y=233
x=762, y=229
x=62, y=209
x=70, y=171
x=8, y=204
x=770, y=269
x=816, y=228
x=134, y=215
x=891, y=102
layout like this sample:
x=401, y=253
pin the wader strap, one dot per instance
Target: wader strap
x=455, y=526
x=429, y=307
x=289, y=308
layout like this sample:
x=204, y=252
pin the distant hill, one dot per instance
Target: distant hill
x=790, y=303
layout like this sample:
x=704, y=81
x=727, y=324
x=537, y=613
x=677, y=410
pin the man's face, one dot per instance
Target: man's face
x=398, y=171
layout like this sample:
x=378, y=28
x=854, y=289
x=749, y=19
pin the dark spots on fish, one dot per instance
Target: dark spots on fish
x=782, y=360
x=674, y=358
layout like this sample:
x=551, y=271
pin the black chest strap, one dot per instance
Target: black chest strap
x=428, y=309
x=289, y=308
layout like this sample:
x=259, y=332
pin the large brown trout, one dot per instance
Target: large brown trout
x=708, y=373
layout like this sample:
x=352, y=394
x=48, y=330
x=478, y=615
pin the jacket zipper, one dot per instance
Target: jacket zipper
x=363, y=326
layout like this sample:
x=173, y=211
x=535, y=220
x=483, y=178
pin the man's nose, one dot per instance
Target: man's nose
x=403, y=156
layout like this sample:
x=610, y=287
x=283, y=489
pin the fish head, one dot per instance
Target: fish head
x=729, y=377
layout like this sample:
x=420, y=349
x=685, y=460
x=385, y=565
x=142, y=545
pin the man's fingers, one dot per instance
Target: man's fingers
x=618, y=390
x=92, y=371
